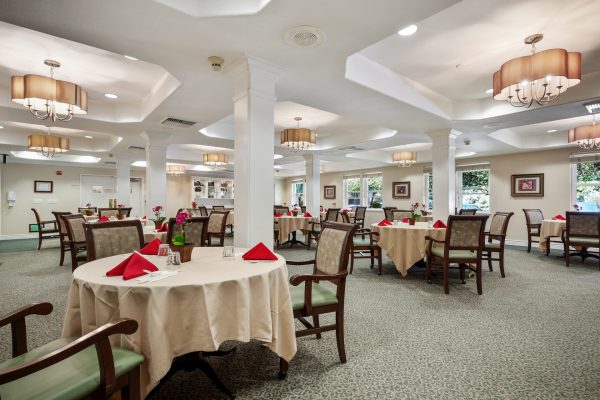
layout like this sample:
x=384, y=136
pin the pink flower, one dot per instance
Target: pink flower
x=181, y=218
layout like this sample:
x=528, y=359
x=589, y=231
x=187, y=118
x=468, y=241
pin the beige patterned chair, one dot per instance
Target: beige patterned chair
x=310, y=298
x=112, y=212
x=463, y=245
x=105, y=239
x=496, y=238
x=217, y=223
x=51, y=232
x=467, y=211
x=389, y=213
x=315, y=231
x=196, y=231
x=533, y=221
x=399, y=215
x=582, y=231
x=74, y=224
x=62, y=231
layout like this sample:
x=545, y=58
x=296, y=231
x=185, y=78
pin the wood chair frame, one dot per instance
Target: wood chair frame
x=219, y=235
x=330, y=216
x=533, y=230
x=64, y=237
x=172, y=223
x=488, y=251
x=127, y=211
x=90, y=228
x=75, y=247
x=53, y=233
x=583, y=252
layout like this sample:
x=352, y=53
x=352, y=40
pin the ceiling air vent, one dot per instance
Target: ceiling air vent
x=304, y=36
x=171, y=122
x=110, y=162
x=136, y=148
x=350, y=148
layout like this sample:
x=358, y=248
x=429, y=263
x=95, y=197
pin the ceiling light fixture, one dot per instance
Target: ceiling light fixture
x=88, y=137
x=1, y=127
x=111, y=95
x=586, y=136
x=592, y=108
x=214, y=160
x=409, y=30
x=298, y=139
x=489, y=91
x=130, y=57
x=405, y=158
x=48, y=145
x=175, y=169
x=551, y=130
x=47, y=97
x=540, y=77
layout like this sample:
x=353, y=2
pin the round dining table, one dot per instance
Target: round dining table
x=550, y=228
x=290, y=224
x=405, y=244
x=211, y=299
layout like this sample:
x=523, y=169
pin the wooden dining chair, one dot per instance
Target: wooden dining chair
x=302, y=209
x=82, y=210
x=88, y=367
x=280, y=209
x=399, y=215
x=203, y=211
x=105, y=239
x=76, y=238
x=112, y=212
x=218, y=208
x=359, y=217
x=463, y=245
x=310, y=298
x=388, y=213
x=366, y=241
x=467, y=211
x=496, y=238
x=315, y=227
x=533, y=221
x=217, y=223
x=583, y=232
x=196, y=231
x=63, y=235
x=51, y=232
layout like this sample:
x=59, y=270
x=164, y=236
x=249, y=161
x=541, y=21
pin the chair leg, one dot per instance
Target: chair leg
x=478, y=277
x=567, y=254
x=73, y=259
x=133, y=389
x=339, y=334
x=461, y=269
x=489, y=260
x=446, y=286
x=379, y=264
x=351, y=261
x=501, y=262
x=548, y=246
x=428, y=270
x=283, y=368
x=316, y=324
x=62, y=251
x=528, y=243
x=39, y=239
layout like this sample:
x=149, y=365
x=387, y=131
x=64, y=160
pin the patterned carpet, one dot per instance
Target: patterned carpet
x=533, y=335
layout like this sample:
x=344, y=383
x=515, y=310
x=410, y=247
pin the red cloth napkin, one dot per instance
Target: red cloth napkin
x=163, y=228
x=307, y=215
x=132, y=267
x=151, y=249
x=345, y=210
x=259, y=252
x=278, y=214
x=289, y=214
x=144, y=217
x=439, y=224
x=558, y=217
x=405, y=220
x=103, y=219
x=384, y=222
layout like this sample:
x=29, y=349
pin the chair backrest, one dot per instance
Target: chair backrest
x=217, y=221
x=345, y=217
x=196, y=230
x=399, y=215
x=583, y=224
x=388, y=213
x=203, y=211
x=74, y=224
x=81, y=210
x=62, y=228
x=303, y=209
x=359, y=213
x=280, y=209
x=333, y=248
x=218, y=207
x=499, y=224
x=465, y=232
x=37, y=217
x=332, y=214
x=467, y=211
x=194, y=212
x=112, y=212
x=105, y=239
x=533, y=216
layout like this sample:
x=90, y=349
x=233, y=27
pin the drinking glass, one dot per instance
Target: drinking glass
x=163, y=250
x=173, y=258
x=228, y=251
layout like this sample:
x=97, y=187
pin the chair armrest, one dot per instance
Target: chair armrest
x=430, y=241
x=300, y=262
x=362, y=231
x=298, y=279
x=434, y=240
x=16, y=319
x=98, y=337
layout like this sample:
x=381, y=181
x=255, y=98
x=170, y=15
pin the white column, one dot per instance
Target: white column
x=313, y=183
x=123, y=180
x=444, y=176
x=156, y=170
x=254, y=99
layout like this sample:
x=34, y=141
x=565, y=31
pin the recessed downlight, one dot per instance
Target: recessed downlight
x=88, y=137
x=111, y=95
x=1, y=127
x=551, y=130
x=409, y=30
x=130, y=57
x=489, y=91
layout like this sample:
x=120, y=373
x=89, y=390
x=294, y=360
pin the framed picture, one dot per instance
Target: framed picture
x=329, y=192
x=401, y=190
x=527, y=185
x=43, y=186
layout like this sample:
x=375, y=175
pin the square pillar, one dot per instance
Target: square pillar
x=313, y=183
x=156, y=170
x=123, y=180
x=444, y=174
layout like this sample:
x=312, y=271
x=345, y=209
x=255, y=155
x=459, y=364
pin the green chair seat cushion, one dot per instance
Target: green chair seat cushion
x=583, y=240
x=492, y=245
x=358, y=241
x=454, y=254
x=320, y=296
x=72, y=378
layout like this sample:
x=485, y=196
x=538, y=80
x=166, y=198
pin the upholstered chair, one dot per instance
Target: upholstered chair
x=365, y=241
x=82, y=210
x=399, y=215
x=496, y=238
x=280, y=209
x=196, y=231
x=62, y=230
x=310, y=298
x=533, y=221
x=76, y=238
x=203, y=211
x=69, y=368
x=105, y=239
x=217, y=223
x=218, y=207
x=388, y=213
x=359, y=216
x=315, y=227
x=467, y=211
x=463, y=245
x=582, y=232
x=46, y=229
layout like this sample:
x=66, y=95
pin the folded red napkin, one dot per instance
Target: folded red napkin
x=151, y=249
x=345, y=210
x=439, y=224
x=132, y=267
x=384, y=222
x=558, y=217
x=307, y=215
x=259, y=252
x=103, y=219
x=289, y=214
x=163, y=228
x=144, y=217
x=278, y=214
x=405, y=220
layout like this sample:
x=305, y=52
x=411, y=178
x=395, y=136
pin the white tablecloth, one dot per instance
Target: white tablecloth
x=550, y=227
x=151, y=233
x=405, y=244
x=209, y=301
x=288, y=225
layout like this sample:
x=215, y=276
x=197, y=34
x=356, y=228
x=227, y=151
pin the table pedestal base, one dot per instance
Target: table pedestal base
x=293, y=241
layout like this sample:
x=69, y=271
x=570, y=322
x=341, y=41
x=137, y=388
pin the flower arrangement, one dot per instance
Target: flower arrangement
x=157, y=210
x=120, y=211
x=413, y=211
x=181, y=220
x=295, y=211
x=576, y=207
x=89, y=210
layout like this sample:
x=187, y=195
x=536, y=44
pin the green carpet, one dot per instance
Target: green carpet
x=532, y=335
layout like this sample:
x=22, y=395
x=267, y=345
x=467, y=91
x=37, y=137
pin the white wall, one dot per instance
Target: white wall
x=280, y=191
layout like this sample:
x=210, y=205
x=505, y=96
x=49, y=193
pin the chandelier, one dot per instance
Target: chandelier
x=587, y=136
x=539, y=77
x=175, y=169
x=405, y=158
x=215, y=160
x=48, y=145
x=298, y=139
x=46, y=97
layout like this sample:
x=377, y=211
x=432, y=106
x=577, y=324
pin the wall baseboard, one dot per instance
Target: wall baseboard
x=523, y=243
x=18, y=236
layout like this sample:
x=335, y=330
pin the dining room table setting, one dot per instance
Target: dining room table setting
x=288, y=224
x=551, y=228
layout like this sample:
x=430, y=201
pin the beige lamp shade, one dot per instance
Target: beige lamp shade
x=48, y=145
x=587, y=136
x=405, y=158
x=298, y=138
x=215, y=159
x=175, y=169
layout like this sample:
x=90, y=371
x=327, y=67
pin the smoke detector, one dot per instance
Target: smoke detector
x=304, y=36
x=216, y=62
x=467, y=142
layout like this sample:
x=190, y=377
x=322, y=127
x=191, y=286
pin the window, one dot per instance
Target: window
x=473, y=188
x=587, y=185
x=298, y=193
x=365, y=190
x=374, y=185
x=352, y=189
x=428, y=192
